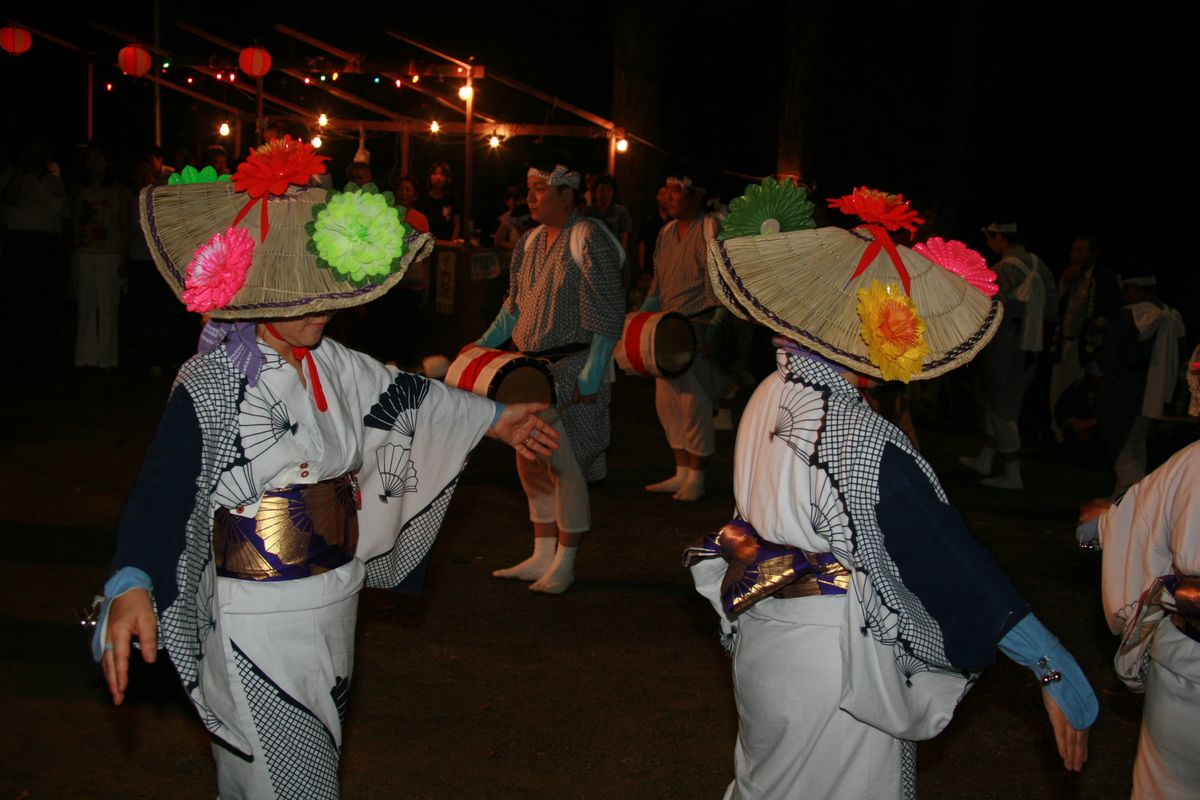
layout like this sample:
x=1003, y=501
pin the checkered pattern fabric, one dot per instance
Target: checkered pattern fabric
x=301, y=754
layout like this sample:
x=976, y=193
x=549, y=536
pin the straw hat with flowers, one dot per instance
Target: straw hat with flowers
x=854, y=296
x=268, y=244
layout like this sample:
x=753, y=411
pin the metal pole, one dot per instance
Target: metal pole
x=157, y=88
x=469, y=168
x=91, y=100
x=404, y=168
x=260, y=124
x=612, y=152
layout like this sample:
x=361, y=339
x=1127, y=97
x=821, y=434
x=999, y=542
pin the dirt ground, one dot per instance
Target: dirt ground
x=479, y=688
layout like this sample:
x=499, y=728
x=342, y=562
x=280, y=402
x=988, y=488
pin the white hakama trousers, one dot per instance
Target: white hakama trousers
x=685, y=406
x=793, y=739
x=1168, y=757
x=98, y=295
x=292, y=652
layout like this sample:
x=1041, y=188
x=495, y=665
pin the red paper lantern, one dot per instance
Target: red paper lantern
x=134, y=60
x=15, y=40
x=255, y=61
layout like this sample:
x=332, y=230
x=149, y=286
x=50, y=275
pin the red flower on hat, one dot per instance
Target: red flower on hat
x=276, y=165
x=218, y=270
x=878, y=208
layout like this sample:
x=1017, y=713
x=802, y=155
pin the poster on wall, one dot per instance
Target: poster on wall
x=444, y=298
x=484, y=266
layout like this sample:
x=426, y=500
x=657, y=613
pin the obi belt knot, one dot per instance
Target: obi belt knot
x=758, y=568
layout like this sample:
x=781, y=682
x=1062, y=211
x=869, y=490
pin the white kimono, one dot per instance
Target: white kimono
x=833, y=691
x=268, y=665
x=1154, y=531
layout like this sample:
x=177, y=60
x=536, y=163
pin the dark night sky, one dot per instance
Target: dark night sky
x=1066, y=128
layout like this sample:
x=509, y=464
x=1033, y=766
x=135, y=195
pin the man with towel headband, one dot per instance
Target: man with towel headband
x=564, y=304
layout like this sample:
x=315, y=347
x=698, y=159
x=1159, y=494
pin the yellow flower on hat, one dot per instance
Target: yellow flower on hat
x=893, y=330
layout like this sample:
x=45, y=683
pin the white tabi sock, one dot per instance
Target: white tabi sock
x=1011, y=479
x=693, y=487
x=981, y=463
x=536, y=565
x=560, y=575
x=672, y=484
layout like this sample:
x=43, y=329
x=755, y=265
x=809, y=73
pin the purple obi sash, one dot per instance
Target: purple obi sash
x=299, y=531
x=758, y=568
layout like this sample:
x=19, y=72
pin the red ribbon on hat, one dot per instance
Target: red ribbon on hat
x=265, y=225
x=303, y=354
x=882, y=241
x=882, y=212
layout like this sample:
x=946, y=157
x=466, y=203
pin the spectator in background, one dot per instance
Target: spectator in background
x=1010, y=359
x=604, y=207
x=407, y=195
x=1138, y=364
x=514, y=221
x=648, y=230
x=216, y=157
x=1089, y=299
x=160, y=171
x=102, y=219
x=358, y=173
x=35, y=209
x=438, y=205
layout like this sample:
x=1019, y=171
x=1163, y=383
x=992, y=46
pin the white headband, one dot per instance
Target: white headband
x=559, y=177
x=684, y=183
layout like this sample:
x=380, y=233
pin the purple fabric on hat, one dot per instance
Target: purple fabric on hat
x=795, y=348
x=241, y=345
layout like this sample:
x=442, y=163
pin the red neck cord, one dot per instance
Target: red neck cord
x=302, y=354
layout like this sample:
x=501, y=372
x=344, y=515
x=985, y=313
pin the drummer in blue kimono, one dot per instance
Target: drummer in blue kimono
x=564, y=304
x=858, y=608
x=287, y=472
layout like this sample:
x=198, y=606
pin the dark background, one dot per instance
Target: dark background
x=1062, y=117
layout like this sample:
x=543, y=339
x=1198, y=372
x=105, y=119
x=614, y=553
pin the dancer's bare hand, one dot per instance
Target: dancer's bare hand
x=1072, y=743
x=131, y=614
x=528, y=434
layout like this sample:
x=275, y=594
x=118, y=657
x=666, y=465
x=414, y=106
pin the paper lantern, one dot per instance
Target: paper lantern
x=15, y=40
x=134, y=60
x=254, y=61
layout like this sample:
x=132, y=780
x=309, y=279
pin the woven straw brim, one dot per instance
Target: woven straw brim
x=798, y=284
x=284, y=279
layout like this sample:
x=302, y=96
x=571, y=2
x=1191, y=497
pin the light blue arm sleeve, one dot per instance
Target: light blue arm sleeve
x=124, y=580
x=500, y=331
x=496, y=416
x=651, y=303
x=1029, y=643
x=599, y=355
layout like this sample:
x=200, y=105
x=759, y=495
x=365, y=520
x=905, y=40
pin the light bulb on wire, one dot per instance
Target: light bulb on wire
x=224, y=129
x=465, y=92
x=322, y=120
x=622, y=145
x=494, y=142
x=316, y=142
x=434, y=127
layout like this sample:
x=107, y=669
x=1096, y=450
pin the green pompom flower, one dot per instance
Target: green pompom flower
x=190, y=174
x=358, y=234
x=769, y=207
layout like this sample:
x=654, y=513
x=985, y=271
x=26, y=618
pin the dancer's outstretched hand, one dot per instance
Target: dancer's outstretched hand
x=528, y=434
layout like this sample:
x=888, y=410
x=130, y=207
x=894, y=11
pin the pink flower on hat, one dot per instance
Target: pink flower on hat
x=218, y=270
x=954, y=256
